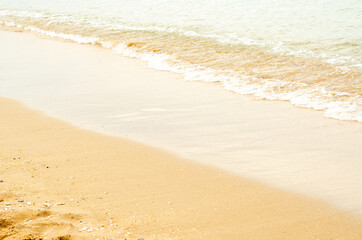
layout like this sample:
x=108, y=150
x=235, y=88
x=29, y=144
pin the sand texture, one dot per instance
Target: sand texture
x=61, y=182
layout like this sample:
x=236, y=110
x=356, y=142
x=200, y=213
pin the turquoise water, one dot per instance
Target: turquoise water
x=306, y=52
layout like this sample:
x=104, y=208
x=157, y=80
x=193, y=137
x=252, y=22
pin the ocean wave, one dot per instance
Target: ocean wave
x=278, y=47
x=317, y=98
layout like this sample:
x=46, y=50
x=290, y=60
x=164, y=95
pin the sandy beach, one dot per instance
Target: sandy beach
x=271, y=141
x=60, y=181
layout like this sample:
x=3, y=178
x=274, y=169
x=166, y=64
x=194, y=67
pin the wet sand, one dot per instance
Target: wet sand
x=60, y=181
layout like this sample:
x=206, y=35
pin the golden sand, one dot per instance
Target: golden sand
x=61, y=182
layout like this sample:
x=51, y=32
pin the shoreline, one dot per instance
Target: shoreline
x=51, y=189
x=272, y=142
x=61, y=182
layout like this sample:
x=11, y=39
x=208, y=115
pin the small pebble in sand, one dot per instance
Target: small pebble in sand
x=1, y=180
x=83, y=229
x=29, y=221
x=29, y=203
x=46, y=204
x=21, y=201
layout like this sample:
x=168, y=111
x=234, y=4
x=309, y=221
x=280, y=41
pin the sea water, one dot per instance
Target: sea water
x=306, y=52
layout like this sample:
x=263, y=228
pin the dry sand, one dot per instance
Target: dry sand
x=61, y=182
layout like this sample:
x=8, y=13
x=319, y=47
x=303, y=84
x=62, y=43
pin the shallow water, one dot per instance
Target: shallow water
x=308, y=53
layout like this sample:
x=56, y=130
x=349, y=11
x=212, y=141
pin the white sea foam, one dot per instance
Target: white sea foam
x=318, y=99
x=72, y=37
x=308, y=98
